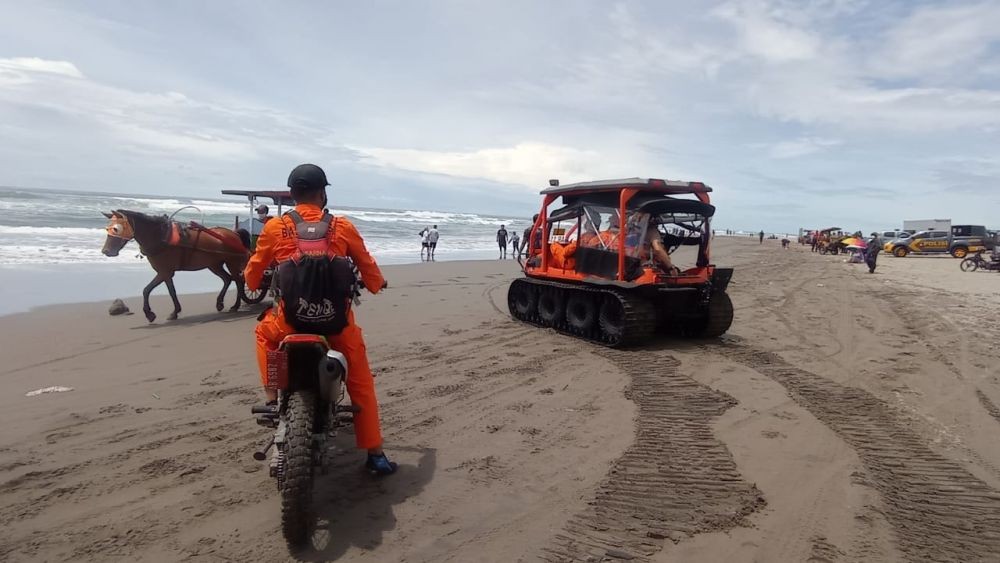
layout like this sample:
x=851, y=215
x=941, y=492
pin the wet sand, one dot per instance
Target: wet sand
x=846, y=417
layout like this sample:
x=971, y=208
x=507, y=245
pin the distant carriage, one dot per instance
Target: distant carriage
x=253, y=226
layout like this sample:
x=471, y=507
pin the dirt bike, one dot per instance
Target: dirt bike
x=977, y=262
x=310, y=378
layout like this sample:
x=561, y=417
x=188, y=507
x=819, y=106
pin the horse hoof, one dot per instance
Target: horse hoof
x=150, y=316
x=219, y=307
x=234, y=308
x=172, y=317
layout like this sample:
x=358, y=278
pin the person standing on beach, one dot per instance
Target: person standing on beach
x=527, y=237
x=432, y=241
x=762, y=237
x=424, y=245
x=515, y=243
x=502, y=241
x=279, y=243
x=871, y=253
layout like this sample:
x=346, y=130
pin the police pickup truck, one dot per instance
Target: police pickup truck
x=959, y=242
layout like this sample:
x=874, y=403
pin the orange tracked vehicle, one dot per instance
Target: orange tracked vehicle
x=599, y=266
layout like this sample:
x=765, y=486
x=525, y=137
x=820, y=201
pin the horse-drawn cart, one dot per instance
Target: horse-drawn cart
x=829, y=240
x=253, y=225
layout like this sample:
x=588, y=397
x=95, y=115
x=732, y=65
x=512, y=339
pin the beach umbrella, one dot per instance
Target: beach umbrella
x=854, y=241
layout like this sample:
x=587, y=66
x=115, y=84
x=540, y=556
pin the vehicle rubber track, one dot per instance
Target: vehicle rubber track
x=639, y=315
x=720, y=317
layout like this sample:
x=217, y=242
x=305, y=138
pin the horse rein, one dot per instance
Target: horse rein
x=121, y=228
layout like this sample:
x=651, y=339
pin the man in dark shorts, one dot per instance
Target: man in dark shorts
x=432, y=241
x=502, y=241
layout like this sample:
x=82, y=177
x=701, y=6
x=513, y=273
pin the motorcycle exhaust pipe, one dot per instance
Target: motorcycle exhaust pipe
x=261, y=455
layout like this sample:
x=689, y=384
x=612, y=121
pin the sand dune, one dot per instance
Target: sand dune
x=846, y=417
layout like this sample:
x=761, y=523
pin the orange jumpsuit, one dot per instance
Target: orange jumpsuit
x=562, y=255
x=609, y=238
x=276, y=244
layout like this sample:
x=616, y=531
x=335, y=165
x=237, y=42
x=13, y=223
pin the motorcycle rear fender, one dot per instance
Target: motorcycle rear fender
x=294, y=340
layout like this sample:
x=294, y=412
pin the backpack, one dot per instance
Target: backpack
x=316, y=286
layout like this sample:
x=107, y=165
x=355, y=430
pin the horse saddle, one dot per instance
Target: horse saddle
x=180, y=235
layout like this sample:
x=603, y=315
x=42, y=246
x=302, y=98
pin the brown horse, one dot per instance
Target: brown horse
x=199, y=248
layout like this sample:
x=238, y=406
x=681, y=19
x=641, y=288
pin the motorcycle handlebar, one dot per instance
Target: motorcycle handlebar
x=361, y=284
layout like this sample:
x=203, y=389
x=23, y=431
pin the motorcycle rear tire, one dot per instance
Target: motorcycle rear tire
x=969, y=265
x=297, y=517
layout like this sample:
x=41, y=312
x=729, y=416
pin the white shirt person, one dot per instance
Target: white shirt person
x=432, y=240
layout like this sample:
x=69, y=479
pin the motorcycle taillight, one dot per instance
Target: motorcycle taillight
x=277, y=369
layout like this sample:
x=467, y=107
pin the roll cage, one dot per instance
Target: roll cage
x=641, y=201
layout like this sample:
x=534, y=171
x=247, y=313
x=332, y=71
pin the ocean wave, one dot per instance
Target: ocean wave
x=72, y=252
x=25, y=254
x=68, y=228
x=52, y=231
x=169, y=206
x=426, y=217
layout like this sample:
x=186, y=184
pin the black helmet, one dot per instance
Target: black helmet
x=307, y=177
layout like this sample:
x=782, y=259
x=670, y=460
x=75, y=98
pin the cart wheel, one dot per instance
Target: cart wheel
x=253, y=297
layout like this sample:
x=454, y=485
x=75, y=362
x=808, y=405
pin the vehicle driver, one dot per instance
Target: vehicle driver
x=277, y=244
x=655, y=251
x=262, y=214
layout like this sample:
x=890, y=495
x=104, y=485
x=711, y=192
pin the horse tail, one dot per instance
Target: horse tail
x=244, y=237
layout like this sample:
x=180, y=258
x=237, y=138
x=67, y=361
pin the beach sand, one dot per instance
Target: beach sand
x=846, y=417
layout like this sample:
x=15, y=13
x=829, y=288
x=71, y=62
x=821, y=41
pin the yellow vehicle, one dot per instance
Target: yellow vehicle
x=936, y=242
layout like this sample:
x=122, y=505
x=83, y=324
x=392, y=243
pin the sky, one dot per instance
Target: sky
x=807, y=113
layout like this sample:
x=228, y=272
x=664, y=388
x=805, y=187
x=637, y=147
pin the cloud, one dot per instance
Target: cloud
x=25, y=66
x=153, y=125
x=940, y=40
x=528, y=164
x=865, y=93
x=800, y=147
x=764, y=34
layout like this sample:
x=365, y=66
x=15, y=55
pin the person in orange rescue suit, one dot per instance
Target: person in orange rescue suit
x=563, y=253
x=278, y=243
x=608, y=238
x=591, y=231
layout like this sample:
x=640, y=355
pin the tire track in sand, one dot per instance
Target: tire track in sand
x=677, y=479
x=939, y=511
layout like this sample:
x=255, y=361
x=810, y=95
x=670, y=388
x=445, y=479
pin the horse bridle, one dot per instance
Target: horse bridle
x=117, y=231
